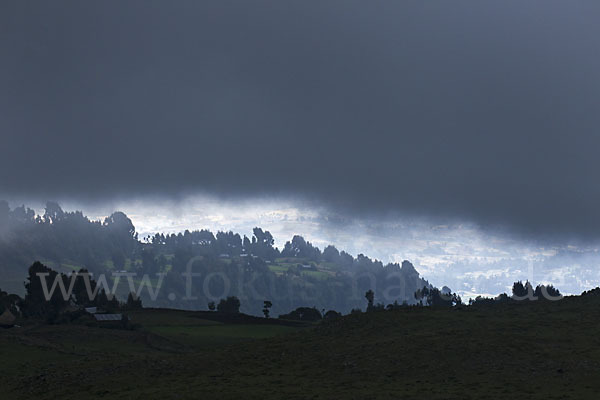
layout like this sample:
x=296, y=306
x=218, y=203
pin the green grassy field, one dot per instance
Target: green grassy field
x=197, y=333
x=278, y=269
x=316, y=274
x=323, y=270
x=533, y=351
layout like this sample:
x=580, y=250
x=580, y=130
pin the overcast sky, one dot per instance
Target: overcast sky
x=483, y=112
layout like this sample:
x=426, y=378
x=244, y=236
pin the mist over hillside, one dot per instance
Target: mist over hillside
x=405, y=190
x=188, y=270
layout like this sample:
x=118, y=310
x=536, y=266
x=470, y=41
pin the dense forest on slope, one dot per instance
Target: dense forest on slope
x=222, y=264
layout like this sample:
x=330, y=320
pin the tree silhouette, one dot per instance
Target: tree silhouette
x=266, y=308
x=438, y=298
x=522, y=291
x=134, y=302
x=331, y=315
x=36, y=303
x=549, y=292
x=370, y=296
x=230, y=305
x=309, y=314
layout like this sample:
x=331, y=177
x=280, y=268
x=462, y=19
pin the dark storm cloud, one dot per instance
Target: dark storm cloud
x=481, y=110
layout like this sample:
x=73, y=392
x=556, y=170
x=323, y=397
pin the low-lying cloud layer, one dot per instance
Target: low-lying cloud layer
x=482, y=111
x=470, y=260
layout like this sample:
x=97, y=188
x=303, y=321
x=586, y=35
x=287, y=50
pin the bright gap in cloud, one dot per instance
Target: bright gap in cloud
x=460, y=255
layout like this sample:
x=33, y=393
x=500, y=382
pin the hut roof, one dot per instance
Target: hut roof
x=108, y=317
x=7, y=318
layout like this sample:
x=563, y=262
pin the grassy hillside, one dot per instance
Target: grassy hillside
x=539, y=350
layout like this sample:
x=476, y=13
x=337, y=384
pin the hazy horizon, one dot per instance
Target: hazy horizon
x=471, y=260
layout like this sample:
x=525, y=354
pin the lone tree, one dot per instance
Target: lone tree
x=370, y=296
x=230, y=305
x=266, y=308
x=212, y=306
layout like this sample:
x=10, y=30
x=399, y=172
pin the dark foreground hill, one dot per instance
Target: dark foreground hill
x=548, y=350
